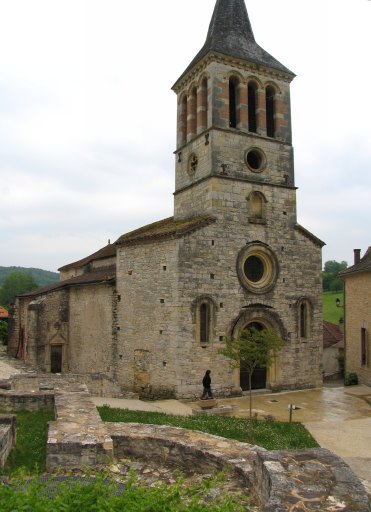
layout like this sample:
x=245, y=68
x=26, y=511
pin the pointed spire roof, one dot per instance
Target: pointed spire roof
x=230, y=33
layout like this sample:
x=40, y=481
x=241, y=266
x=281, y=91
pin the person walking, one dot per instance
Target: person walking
x=206, y=382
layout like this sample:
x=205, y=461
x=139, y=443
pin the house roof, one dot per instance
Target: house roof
x=332, y=335
x=230, y=34
x=165, y=229
x=3, y=313
x=98, y=276
x=364, y=265
x=106, y=252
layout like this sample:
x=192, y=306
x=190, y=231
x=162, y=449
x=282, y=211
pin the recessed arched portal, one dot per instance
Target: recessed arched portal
x=259, y=377
x=260, y=317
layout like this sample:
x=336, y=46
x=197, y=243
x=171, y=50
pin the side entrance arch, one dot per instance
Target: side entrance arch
x=260, y=317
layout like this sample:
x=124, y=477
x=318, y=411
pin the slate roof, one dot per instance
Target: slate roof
x=100, y=275
x=332, y=335
x=106, y=252
x=363, y=266
x=165, y=229
x=230, y=34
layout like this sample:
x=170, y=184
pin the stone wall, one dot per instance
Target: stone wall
x=7, y=436
x=358, y=317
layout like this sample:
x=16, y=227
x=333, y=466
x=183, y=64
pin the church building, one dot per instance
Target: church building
x=151, y=312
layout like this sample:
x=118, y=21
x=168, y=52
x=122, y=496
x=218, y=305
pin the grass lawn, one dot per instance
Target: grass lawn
x=30, y=450
x=271, y=435
x=330, y=312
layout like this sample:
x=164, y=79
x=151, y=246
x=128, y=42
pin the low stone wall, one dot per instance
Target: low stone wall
x=78, y=437
x=13, y=401
x=7, y=437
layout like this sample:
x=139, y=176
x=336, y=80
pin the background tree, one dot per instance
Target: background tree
x=331, y=280
x=15, y=284
x=3, y=332
x=251, y=349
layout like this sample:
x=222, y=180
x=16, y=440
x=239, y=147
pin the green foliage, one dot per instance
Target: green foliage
x=271, y=435
x=41, y=277
x=252, y=348
x=101, y=494
x=3, y=332
x=331, y=312
x=14, y=284
x=330, y=276
x=30, y=450
x=351, y=379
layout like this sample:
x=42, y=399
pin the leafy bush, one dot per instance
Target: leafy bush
x=3, y=332
x=351, y=379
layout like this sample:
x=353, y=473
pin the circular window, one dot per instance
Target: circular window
x=254, y=269
x=255, y=159
x=257, y=268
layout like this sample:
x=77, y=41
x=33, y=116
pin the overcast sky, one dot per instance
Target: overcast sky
x=88, y=118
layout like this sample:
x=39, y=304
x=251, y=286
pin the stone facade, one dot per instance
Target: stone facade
x=357, y=293
x=232, y=255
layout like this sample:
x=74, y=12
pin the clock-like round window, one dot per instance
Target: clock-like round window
x=257, y=268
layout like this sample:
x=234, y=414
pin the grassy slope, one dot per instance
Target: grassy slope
x=330, y=312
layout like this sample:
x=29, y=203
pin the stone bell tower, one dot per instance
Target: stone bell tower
x=233, y=118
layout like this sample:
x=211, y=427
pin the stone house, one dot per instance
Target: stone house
x=357, y=316
x=150, y=313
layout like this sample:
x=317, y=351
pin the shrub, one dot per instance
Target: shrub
x=351, y=379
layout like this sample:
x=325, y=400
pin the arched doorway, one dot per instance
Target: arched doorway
x=259, y=377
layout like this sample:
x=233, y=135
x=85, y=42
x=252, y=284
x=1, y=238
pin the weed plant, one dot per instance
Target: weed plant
x=102, y=495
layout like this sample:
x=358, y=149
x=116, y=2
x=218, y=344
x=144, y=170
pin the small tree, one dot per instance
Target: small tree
x=14, y=284
x=252, y=348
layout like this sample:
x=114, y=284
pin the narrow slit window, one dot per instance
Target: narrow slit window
x=232, y=103
x=269, y=100
x=251, y=98
x=204, y=323
x=364, y=347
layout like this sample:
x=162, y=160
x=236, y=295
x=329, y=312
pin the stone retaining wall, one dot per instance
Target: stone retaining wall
x=7, y=436
x=13, y=401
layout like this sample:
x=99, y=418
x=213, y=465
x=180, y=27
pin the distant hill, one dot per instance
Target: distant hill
x=41, y=277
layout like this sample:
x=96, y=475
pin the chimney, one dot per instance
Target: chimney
x=357, y=256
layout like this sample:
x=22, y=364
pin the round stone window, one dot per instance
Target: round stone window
x=255, y=160
x=257, y=268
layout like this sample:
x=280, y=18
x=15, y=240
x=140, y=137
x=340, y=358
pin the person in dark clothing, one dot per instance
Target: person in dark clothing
x=206, y=382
